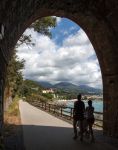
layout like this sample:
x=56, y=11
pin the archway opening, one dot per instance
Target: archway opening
x=69, y=57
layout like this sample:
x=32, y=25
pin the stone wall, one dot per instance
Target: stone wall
x=98, y=19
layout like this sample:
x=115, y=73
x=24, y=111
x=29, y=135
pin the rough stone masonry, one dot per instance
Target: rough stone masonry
x=98, y=18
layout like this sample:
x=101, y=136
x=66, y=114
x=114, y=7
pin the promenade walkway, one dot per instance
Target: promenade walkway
x=43, y=131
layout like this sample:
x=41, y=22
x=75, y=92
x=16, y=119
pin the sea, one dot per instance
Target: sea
x=97, y=104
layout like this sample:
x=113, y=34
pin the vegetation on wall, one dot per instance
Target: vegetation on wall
x=14, y=80
x=14, y=74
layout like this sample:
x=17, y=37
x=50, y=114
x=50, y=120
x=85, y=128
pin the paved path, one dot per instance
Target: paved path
x=42, y=131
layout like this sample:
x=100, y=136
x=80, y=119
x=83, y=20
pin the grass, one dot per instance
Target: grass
x=12, y=127
x=14, y=108
x=12, y=117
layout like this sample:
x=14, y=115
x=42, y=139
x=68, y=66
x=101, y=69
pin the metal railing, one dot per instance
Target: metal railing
x=64, y=111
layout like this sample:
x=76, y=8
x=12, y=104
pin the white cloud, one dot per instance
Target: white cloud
x=72, y=62
x=58, y=19
x=80, y=38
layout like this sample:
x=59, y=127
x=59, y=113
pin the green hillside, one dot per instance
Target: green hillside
x=31, y=90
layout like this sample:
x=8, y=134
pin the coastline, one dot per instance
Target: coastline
x=97, y=104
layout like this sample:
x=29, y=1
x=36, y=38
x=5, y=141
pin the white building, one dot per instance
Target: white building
x=48, y=91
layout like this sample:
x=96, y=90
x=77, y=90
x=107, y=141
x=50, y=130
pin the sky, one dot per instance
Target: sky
x=67, y=57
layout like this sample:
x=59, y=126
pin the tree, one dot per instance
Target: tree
x=14, y=74
x=14, y=77
x=42, y=26
x=30, y=87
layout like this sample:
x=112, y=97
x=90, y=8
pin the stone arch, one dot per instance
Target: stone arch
x=97, y=18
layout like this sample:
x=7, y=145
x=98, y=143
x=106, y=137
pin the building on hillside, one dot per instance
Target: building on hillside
x=48, y=91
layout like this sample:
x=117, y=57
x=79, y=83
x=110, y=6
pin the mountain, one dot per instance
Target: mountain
x=69, y=87
x=89, y=89
x=32, y=84
x=65, y=85
x=45, y=84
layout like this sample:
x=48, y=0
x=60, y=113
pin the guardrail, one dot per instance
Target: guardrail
x=64, y=111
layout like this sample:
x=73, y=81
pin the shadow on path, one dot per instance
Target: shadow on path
x=54, y=138
x=59, y=138
x=13, y=137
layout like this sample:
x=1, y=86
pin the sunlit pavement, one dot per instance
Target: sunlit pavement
x=43, y=131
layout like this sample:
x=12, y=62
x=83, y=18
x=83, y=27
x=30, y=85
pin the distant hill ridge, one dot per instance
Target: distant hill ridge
x=45, y=84
x=67, y=86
